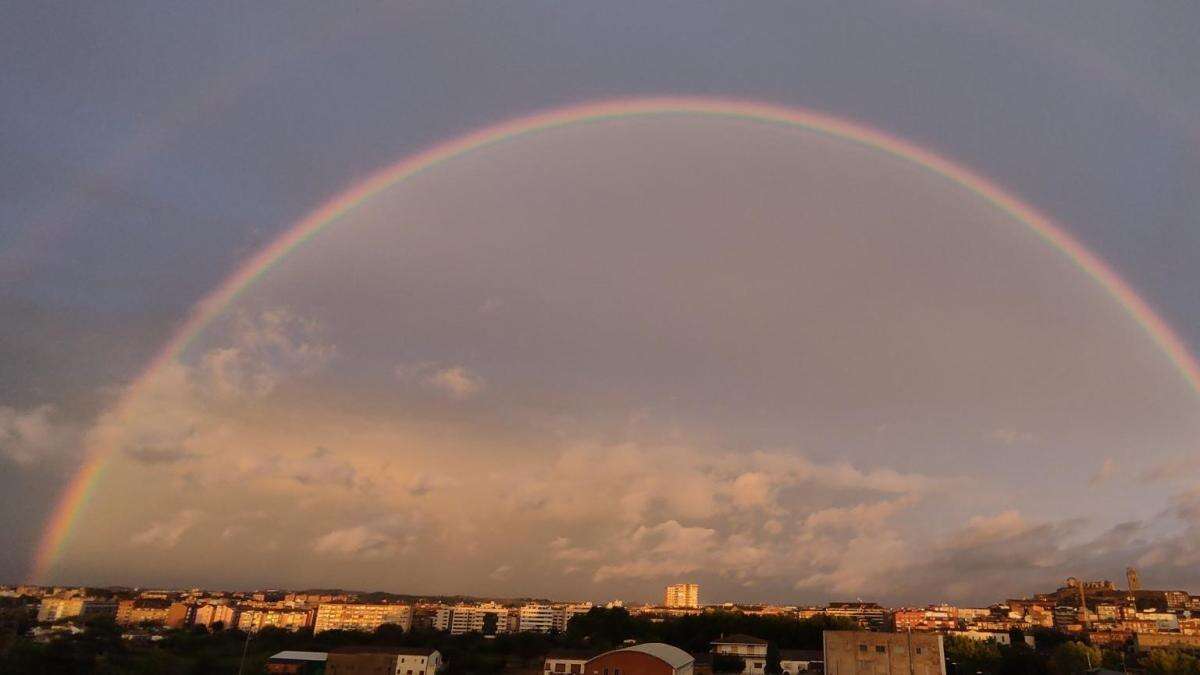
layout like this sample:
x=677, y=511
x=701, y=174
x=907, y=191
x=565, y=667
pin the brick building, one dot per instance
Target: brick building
x=652, y=658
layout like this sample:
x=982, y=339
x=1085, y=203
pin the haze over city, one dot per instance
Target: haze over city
x=798, y=302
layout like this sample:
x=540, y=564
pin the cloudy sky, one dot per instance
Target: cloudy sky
x=607, y=356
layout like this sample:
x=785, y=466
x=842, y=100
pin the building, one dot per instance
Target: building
x=539, y=618
x=929, y=618
x=254, y=620
x=1000, y=637
x=682, y=595
x=389, y=660
x=792, y=661
x=866, y=614
x=486, y=619
x=568, y=661
x=652, y=658
x=134, y=612
x=347, y=616
x=54, y=608
x=752, y=651
x=867, y=653
x=210, y=615
x=180, y=614
x=1144, y=642
x=297, y=663
x=571, y=611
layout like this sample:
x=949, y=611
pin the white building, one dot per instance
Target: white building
x=418, y=661
x=488, y=619
x=539, y=618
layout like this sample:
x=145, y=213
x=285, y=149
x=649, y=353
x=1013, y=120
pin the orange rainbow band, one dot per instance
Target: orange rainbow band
x=75, y=497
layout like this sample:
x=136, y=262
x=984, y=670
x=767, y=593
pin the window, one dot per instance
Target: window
x=577, y=668
x=862, y=648
x=560, y=667
x=880, y=649
x=919, y=650
x=758, y=665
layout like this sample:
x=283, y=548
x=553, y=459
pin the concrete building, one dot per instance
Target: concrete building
x=682, y=595
x=1144, y=642
x=652, y=658
x=538, y=618
x=1000, y=637
x=485, y=619
x=54, y=608
x=347, y=616
x=867, y=653
x=209, y=614
x=254, y=620
x=752, y=651
x=571, y=611
x=180, y=614
x=383, y=660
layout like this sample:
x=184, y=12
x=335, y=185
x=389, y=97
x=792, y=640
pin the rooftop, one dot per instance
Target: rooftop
x=300, y=656
x=673, y=656
x=739, y=639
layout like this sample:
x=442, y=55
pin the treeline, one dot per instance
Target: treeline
x=1058, y=655
x=100, y=648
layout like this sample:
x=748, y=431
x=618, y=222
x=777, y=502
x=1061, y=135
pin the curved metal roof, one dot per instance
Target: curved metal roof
x=673, y=656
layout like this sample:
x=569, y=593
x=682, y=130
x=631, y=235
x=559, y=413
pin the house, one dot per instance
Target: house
x=867, y=653
x=752, y=651
x=569, y=661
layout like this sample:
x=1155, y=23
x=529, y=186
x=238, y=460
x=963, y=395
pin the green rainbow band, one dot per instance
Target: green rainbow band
x=75, y=496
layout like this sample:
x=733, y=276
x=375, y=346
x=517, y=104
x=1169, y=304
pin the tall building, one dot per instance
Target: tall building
x=209, y=614
x=683, y=595
x=254, y=620
x=347, y=616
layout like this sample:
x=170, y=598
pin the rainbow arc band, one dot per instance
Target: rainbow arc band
x=75, y=497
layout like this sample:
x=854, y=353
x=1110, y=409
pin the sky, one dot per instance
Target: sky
x=606, y=356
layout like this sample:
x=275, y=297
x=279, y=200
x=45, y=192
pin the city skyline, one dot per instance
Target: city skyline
x=586, y=301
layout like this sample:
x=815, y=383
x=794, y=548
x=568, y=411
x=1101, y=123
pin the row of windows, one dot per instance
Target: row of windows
x=881, y=649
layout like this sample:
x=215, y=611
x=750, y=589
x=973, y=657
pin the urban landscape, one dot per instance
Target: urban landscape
x=1085, y=625
x=599, y=337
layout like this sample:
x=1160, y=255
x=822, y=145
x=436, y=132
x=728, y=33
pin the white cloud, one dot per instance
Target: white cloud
x=31, y=435
x=167, y=533
x=501, y=573
x=454, y=380
x=385, y=537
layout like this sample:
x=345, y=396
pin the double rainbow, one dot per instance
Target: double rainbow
x=75, y=497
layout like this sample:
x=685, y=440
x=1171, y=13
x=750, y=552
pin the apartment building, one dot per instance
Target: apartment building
x=254, y=620
x=55, y=608
x=682, y=595
x=364, y=617
x=487, y=619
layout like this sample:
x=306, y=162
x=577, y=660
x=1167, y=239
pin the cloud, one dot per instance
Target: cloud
x=167, y=533
x=261, y=351
x=1106, y=471
x=501, y=573
x=453, y=380
x=31, y=435
x=148, y=455
x=385, y=537
x=1171, y=470
x=1010, y=436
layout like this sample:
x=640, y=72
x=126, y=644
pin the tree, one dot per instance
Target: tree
x=1074, y=657
x=1170, y=662
x=972, y=656
x=773, y=665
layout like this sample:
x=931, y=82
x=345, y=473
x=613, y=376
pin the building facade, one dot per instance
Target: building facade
x=363, y=617
x=751, y=650
x=682, y=595
x=653, y=658
x=868, y=653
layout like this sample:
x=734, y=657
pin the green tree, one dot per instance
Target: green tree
x=1070, y=658
x=1170, y=662
x=972, y=656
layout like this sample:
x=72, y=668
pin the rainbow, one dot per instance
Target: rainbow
x=75, y=497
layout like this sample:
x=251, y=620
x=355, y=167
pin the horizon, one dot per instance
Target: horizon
x=804, y=302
